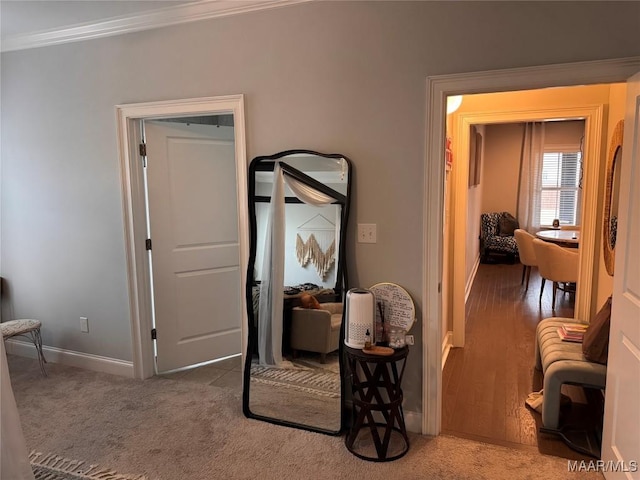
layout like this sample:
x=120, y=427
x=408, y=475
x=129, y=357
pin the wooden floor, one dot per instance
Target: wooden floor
x=485, y=384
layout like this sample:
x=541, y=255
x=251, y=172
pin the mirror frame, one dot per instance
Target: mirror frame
x=256, y=165
x=615, y=147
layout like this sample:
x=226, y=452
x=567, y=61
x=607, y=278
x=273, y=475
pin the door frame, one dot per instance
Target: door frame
x=129, y=118
x=593, y=117
x=437, y=90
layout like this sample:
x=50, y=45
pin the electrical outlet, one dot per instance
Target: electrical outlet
x=84, y=324
x=367, y=233
x=409, y=339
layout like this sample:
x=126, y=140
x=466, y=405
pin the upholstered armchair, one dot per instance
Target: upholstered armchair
x=555, y=263
x=496, y=235
x=526, y=253
x=316, y=330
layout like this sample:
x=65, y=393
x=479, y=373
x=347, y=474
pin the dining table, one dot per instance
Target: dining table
x=565, y=238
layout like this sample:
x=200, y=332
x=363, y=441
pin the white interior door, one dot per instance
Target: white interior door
x=621, y=437
x=193, y=219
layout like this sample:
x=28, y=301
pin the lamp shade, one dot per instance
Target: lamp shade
x=360, y=317
x=453, y=103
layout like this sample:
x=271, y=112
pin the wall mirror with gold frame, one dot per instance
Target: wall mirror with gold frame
x=612, y=191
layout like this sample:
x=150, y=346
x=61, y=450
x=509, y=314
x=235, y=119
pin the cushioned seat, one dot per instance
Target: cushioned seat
x=527, y=255
x=26, y=327
x=558, y=264
x=562, y=362
x=317, y=330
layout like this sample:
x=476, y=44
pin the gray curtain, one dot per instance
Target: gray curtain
x=530, y=177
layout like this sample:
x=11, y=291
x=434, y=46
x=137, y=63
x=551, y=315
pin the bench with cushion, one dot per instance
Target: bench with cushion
x=562, y=362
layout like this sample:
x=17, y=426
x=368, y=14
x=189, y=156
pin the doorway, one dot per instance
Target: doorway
x=131, y=119
x=465, y=228
x=437, y=89
x=485, y=384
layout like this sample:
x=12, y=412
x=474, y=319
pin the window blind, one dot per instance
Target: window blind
x=559, y=187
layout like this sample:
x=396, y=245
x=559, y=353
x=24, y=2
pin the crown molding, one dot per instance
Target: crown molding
x=174, y=15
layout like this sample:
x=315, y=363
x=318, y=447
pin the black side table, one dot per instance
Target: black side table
x=378, y=431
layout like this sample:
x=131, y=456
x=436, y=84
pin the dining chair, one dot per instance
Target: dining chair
x=555, y=263
x=527, y=255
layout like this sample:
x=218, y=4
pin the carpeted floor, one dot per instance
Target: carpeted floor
x=174, y=429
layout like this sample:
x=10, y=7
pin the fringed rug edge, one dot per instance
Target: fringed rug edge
x=78, y=468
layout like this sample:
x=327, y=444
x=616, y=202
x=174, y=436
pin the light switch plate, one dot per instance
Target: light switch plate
x=367, y=233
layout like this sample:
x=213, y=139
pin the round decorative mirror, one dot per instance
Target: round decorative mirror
x=610, y=223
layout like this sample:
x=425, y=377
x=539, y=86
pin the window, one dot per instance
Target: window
x=560, y=192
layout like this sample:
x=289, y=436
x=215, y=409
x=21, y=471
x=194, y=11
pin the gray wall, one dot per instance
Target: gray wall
x=330, y=76
x=503, y=148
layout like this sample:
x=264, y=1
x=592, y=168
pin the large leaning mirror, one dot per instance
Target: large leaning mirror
x=612, y=191
x=298, y=210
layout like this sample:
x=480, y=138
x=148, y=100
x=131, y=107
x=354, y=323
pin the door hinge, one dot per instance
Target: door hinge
x=147, y=244
x=143, y=154
x=154, y=334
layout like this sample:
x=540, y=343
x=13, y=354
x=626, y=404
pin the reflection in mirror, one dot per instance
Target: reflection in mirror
x=610, y=223
x=615, y=191
x=298, y=209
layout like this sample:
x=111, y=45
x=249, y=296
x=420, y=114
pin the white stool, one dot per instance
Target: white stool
x=26, y=327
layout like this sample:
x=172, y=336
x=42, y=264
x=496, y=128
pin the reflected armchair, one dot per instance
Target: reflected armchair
x=555, y=263
x=316, y=330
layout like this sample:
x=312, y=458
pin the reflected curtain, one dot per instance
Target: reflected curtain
x=271, y=300
x=307, y=193
x=270, y=305
x=530, y=176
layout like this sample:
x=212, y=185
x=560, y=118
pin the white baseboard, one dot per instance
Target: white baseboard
x=413, y=421
x=73, y=359
x=472, y=277
x=447, y=343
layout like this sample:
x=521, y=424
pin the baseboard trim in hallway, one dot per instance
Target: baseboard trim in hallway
x=72, y=358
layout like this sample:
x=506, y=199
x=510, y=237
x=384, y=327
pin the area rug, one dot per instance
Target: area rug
x=331, y=364
x=321, y=383
x=53, y=467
